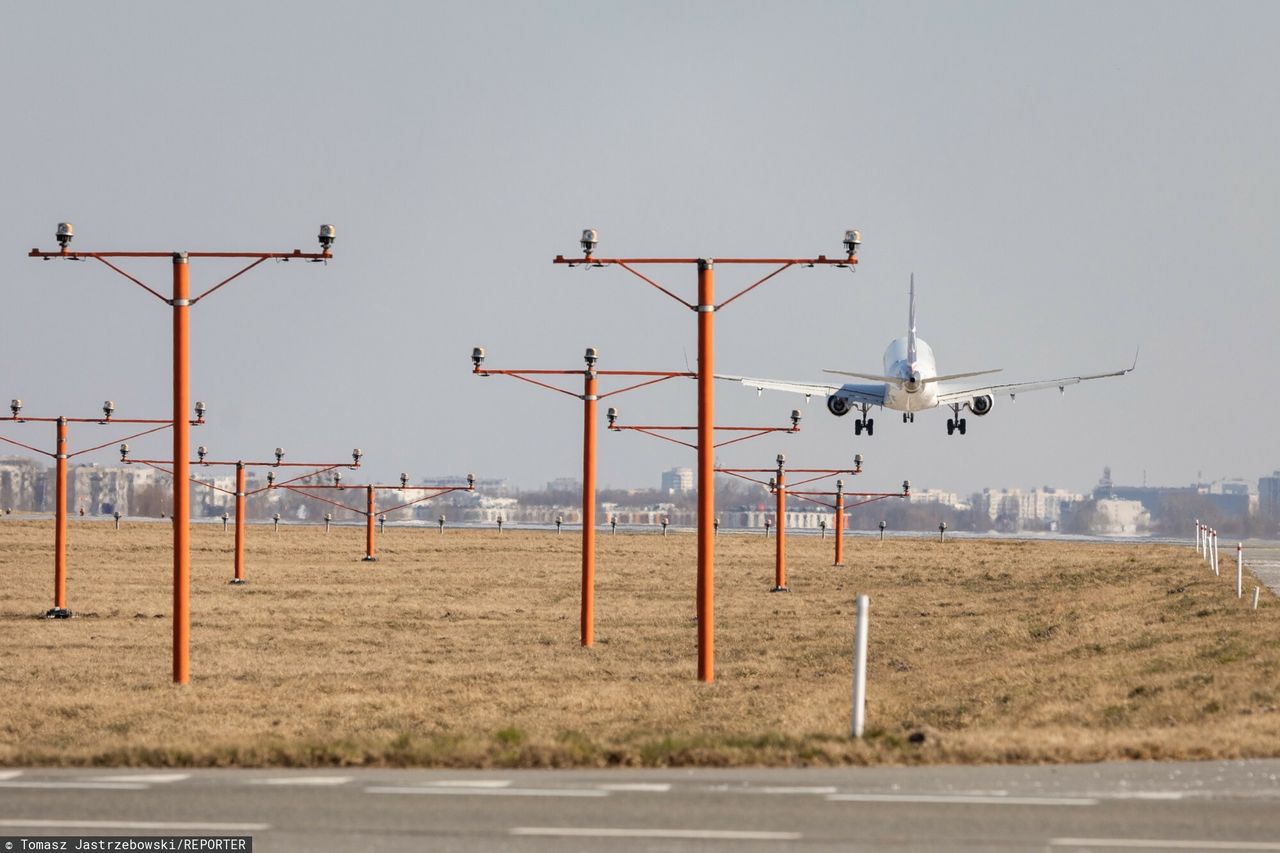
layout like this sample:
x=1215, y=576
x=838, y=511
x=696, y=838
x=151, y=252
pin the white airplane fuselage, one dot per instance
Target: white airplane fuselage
x=916, y=393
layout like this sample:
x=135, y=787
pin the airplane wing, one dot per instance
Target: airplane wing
x=954, y=394
x=873, y=394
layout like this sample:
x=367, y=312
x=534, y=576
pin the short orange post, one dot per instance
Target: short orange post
x=839, y=523
x=780, y=546
x=370, y=513
x=240, y=501
x=59, y=609
x=589, y=398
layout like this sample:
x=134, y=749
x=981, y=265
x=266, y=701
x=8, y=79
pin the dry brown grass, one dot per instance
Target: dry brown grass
x=462, y=650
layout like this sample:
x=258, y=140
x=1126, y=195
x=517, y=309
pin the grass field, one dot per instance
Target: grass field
x=462, y=650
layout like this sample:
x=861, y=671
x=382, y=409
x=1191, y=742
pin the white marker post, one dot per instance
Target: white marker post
x=1239, y=570
x=860, y=667
x=1213, y=550
x=1255, y=597
x=1197, y=536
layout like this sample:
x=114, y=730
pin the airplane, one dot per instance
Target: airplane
x=910, y=383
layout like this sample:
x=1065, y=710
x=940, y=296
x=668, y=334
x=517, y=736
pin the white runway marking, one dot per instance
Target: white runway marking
x=795, y=789
x=490, y=792
x=473, y=783
x=695, y=834
x=962, y=800
x=303, y=781
x=144, y=779
x=9, y=774
x=1162, y=844
x=653, y=787
x=83, y=786
x=134, y=824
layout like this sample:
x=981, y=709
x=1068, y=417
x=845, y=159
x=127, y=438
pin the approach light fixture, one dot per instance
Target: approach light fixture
x=795, y=419
x=327, y=235
x=852, y=240
x=200, y=410
x=773, y=484
x=857, y=462
x=65, y=233
x=590, y=239
x=201, y=453
x=15, y=406
x=471, y=481
x=591, y=357
x=612, y=415
x=356, y=454
x=279, y=455
x=124, y=453
x=477, y=356
x=906, y=487
x=107, y=408
x=404, y=480
x=271, y=479
x=782, y=457
x=839, y=485
x=337, y=479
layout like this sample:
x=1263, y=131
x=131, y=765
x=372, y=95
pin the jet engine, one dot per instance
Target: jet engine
x=838, y=405
x=981, y=405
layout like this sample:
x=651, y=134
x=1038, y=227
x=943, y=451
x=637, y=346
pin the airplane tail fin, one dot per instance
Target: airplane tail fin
x=911, y=323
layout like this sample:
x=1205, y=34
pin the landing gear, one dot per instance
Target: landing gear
x=908, y=417
x=864, y=422
x=957, y=422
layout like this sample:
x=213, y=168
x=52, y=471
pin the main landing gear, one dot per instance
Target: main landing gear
x=908, y=417
x=957, y=422
x=864, y=422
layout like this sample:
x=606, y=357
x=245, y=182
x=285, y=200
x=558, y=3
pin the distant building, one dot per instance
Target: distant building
x=1269, y=497
x=1015, y=509
x=564, y=484
x=937, y=496
x=1122, y=517
x=677, y=481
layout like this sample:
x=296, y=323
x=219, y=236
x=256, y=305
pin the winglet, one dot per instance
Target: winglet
x=911, y=323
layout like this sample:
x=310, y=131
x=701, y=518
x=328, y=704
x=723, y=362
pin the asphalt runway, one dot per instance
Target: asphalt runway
x=1207, y=806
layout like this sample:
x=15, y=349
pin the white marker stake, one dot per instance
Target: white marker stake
x=1197, y=536
x=1255, y=597
x=860, y=667
x=1239, y=570
x=1213, y=547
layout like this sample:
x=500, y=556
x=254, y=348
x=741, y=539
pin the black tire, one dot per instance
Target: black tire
x=871, y=426
x=857, y=427
x=961, y=425
x=951, y=427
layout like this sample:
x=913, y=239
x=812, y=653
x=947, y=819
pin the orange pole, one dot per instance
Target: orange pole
x=706, y=471
x=839, y=524
x=60, y=610
x=368, y=528
x=589, y=399
x=181, y=472
x=780, y=546
x=240, y=499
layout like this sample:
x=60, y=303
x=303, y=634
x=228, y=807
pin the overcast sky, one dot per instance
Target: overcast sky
x=1066, y=181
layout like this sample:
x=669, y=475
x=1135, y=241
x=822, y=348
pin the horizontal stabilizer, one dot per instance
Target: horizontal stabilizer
x=892, y=380
x=951, y=376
